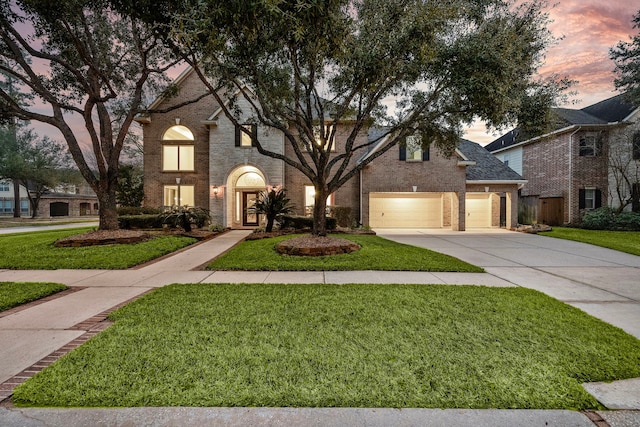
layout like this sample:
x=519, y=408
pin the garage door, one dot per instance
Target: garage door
x=478, y=208
x=405, y=210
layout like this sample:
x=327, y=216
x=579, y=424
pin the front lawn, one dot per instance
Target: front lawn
x=623, y=241
x=12, y=294
x=400, y=346
x=35, y=251
x=376, y=254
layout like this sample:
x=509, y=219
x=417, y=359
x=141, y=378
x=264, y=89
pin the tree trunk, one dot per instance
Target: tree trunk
x=270, y=221
x=320, y=212
x=108, y=212
x=16, y=199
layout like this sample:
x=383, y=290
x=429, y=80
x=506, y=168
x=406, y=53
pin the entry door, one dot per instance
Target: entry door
x=249, y=199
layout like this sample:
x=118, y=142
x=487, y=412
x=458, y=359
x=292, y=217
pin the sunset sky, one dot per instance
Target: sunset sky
x=589, y=29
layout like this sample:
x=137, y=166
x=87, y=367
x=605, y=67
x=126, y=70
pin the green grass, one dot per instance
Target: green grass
x=35, y=251
x=376, y=254
x=12, y=294
x=623, y=241
x=398, y=346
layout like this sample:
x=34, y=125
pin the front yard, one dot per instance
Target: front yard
x=376, y=254
x=35, y=251
x=425, y=346
x=623, y=241
x=13, y=294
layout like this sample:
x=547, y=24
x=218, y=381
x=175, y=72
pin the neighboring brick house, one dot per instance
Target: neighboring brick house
x=568, y=170
x=195, y=156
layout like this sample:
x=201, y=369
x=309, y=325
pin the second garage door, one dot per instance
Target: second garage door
x=478, y=208
x=401, y=210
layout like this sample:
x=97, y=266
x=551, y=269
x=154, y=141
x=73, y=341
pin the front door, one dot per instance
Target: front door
x=249, y=218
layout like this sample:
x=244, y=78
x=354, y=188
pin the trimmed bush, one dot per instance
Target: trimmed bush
x=129, y=222
x=303, y=222
x=342, y=214
x=607, y=219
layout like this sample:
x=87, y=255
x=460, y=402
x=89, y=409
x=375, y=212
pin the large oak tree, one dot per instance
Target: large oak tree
x=85, y=63
x=309, y=65
x=626, y=55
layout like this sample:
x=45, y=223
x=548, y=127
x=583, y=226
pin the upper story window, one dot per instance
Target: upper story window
x=246, y=135
x=589, y=145
x=412, y=151
x=319, y=137
x=178, y=150
x=636, y=146
x=4, y=186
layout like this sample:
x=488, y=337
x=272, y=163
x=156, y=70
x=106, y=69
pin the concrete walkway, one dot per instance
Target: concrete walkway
x=602, y=282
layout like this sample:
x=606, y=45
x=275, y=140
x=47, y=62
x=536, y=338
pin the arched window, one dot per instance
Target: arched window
x=178, y=133
x=178, y=151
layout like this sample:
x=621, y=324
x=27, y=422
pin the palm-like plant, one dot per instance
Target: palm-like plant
x=273, y=204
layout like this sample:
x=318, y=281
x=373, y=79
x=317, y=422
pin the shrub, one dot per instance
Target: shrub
x=137, y=210
x=129, y=222
x=627, y=221
x=216, y=228
x=607, y=219
x=183, y=217
x=303, y=222
x=599, y=219
x=342, y=214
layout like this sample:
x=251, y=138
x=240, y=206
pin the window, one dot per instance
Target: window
x=178, y=158
x=505, y=160
x=4, y=186
x=246, y=135
x=179, y=195
x=317, y=133
x=588, y=145
x=636, y=146
x=310, y=201
x=412, y=150
x=24, y=206
x=6, y=206
x=590, y=198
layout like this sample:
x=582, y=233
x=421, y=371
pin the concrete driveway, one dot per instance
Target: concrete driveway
x=602, y=282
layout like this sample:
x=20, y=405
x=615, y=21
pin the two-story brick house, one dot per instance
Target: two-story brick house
x=568, y=170
x=194, y=155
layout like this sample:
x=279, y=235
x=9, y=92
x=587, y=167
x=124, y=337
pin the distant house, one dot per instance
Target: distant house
x=195, y=156
x=572, y=170
x=64, y=200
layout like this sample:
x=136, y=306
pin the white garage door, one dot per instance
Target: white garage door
x=478, y=208
x=405, y=210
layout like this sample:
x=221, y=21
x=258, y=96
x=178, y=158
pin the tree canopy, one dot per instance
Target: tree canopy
x=406, y=66
x=626, y=55
x=82, y=60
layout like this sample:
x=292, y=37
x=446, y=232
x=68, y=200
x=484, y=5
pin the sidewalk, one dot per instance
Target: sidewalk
x=31, y=335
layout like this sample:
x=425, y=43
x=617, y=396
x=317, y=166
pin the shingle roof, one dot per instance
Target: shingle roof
x=611, y=110
x=487, y=167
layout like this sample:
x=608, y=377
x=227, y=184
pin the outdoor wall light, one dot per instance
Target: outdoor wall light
x=178, y=181
x=216, y=190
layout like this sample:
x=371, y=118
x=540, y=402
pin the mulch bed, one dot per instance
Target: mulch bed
x=111, y=237
x=309, y=245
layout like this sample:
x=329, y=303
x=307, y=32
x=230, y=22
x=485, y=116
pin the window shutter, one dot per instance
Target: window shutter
x=425, y=153
x=636, y=146
x=581, y=197
x=598, y=199
x=254, y=135
x=238, y=136
x=403, y=152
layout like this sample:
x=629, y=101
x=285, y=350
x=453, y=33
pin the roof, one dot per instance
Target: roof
x=610, y=111
x=487, y=167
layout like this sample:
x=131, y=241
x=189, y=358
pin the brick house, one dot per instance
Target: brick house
x=195, y=156
x=569, y=170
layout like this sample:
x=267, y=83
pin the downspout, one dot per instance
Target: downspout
x=571, y=171
x=360, y=176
